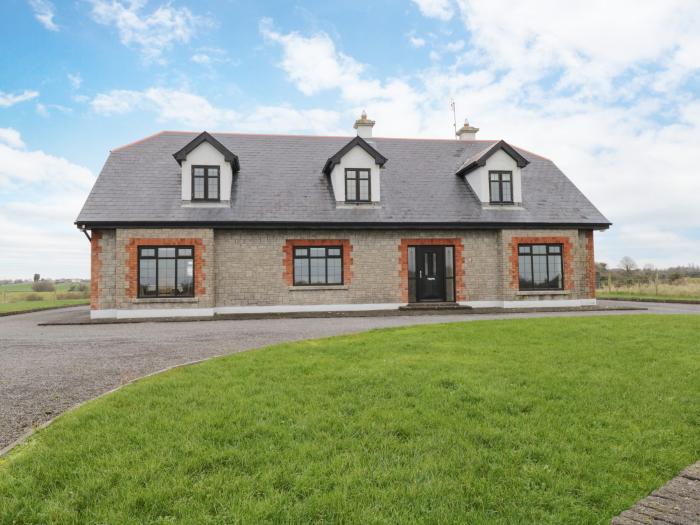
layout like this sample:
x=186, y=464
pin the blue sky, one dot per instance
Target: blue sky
x=608, y=90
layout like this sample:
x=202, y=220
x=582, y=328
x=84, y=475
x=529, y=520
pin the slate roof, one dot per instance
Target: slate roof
x=280, y=182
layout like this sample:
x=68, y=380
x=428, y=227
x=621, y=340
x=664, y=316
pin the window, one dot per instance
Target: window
x=166, y=271
x=357, y=185
x=205, y=183
x=540, y=267
x=318, y=265
x=501, y=187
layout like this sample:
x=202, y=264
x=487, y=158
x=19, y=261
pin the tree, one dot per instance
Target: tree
x=628, y=264
x=37, y=277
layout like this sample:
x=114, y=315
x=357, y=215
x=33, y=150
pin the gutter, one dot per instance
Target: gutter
x=262, y=225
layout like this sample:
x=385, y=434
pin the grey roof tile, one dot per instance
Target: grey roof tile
x=280, y=181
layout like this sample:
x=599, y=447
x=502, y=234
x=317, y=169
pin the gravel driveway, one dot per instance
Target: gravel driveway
x=45, y=370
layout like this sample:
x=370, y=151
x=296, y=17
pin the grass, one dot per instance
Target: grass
x=687, y=289
x=18, y=298
x=28, y=306
x=557, y=420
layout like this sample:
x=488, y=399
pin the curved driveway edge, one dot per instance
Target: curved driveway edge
x=45, y=370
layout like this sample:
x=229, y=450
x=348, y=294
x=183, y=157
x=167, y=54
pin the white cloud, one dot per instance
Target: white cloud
x=11, y=137
x=557, y=91
x=440, y=9
x=153, y=33
x=76, y=80
x=416, y=41
x=41, y=195
x=9, y=99
x=44, y=11
x=455, y=46
x=196, y=112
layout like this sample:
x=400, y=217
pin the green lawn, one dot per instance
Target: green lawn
x=557, y=420
x=27, y=306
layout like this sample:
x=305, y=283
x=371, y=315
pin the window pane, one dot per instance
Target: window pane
x=213, y=188
x=539, y=271
x=147, y=277
x=184, y=252
x=495, y=192
x=364, y=190
x=185, y=277
x=555, y=248
x=166, y=276
x=317, y=271
x=449, y=262
x=505, y=177
x=166, y=252
x=555, y=277
x=198, y=188
x=301, y=271
x=318, y=252
x=334, y=252
x=148, y=252
x=213, y=172
x=539, y=248
x=199, y=172
x=525, y=272
x=494, y=177
x=507, y=194
x=523, y=249
x=350, y=190
x=335, y=271
x=301, y=252
x=351, y=174
x=364, y=174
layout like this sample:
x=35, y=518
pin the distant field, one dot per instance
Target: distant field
x=685, y=290
x=21, y=298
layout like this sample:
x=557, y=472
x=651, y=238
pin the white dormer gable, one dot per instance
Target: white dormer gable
x=356, y=167
x=206, y=152
x=498, y=161
x=356, y=159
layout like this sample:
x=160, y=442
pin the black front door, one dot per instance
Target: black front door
x=430, y=273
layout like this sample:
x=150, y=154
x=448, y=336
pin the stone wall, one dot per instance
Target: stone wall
x=252, y=267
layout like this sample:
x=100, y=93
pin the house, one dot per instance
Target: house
x=198, y=224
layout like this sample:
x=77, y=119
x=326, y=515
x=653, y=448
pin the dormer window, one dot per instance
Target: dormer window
x=357, y=185
x=501, y=187
x=206, y=183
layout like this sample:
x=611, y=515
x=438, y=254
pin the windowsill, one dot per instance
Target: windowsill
x=206, y=204
x=356, y=205
x=516, y=206
x=543, y=292
x=156, y=300
x=312, y=287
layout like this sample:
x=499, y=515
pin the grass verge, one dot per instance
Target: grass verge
x=635, y=296
x=521, y=421
x=19, y=307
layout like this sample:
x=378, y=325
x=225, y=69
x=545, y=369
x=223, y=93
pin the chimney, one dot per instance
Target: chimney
x=467, y=132
x=364, y=126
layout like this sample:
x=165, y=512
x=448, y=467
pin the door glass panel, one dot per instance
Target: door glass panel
x=449, y=262
x=411, y=262
x=434, y=268
x=449, y=290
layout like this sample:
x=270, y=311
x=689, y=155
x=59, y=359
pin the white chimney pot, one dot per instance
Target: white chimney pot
x=364, y=126
x=467, y=132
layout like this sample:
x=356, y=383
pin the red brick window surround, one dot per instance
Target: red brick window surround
x=132, y=268
x=460, y=290
x=567, y=258
x=290, y=244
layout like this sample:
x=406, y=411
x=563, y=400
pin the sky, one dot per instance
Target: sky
x=609, y=90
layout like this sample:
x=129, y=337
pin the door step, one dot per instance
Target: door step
x=434, y=306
